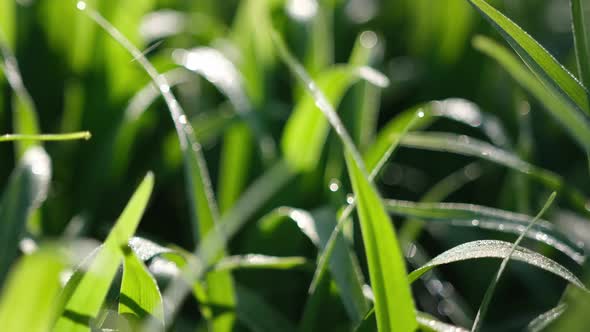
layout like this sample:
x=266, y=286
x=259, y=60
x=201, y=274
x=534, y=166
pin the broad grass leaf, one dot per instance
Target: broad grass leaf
x=29, y=296
x=394, y=305
x=85, y=302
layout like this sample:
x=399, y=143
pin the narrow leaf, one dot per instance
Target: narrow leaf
x=86, y=300
x=496, y=249
x=26, y=189
x=581, y=29
x=575, y=122
x=543, y=64
x=545, y=319
x=471, y=215
x=394, y=305
x=140, y=296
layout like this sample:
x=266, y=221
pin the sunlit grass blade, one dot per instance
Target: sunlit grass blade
x=258, y=315
x=542, y=321
x=469, y=146
x=573, y=121
x=496, y=249
x=28, y=299
x=386, y=265
x=204, y=212
x=307, y=129
x=87, y=299
x=483, y=308
x=394, y=305
x=26, y=189
x=140, y=296
x=384, y=147
x=546, y=68
x=8, y=23
x=581, y=30
x=470, y=215
x=83, y=135
x=257, y=261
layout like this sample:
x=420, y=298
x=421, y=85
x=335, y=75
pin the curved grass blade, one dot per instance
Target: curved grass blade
x=581, y=30
x=85, y=135
x=543, y=64
x=140, y=296
x=496, y=249
x=468, y=146
x=28, y=300
x=204, y=212
x=426, y=323
x=572, y=120
x=483, y=308
x=545, y=319
x=27, y=188
x=85, y=301
x=471, y=215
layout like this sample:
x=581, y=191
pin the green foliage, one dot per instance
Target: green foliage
x=265, y=124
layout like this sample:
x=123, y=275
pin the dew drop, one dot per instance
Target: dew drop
x=350, y=198
x=420, y=114
x=475, y=222
x=81, y=5
x=182, y=119
x=334, y=185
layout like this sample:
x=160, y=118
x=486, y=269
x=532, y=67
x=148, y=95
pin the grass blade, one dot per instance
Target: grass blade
x=394, y=305
x=543, y=64
x=85, y=135
x=204, y=213
x=496, y=249
x=139, y=297
x=468, y=146
x=27, y=188
x=25, y=116
x=86, y=300
x=470, y=215
x=426, y=322
x=541, y=322
x=30, y=293
x=492, y=287
x=257, y=261
x=581, y=30
x=573, y=121
x=386, y=264
x=307, y=129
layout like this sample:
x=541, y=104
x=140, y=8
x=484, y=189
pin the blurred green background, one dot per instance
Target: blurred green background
x=80, y=79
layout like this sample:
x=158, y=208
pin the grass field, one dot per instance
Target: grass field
x=294, y=165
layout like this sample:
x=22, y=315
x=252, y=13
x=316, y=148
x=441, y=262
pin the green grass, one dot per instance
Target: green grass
x=301, y=160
